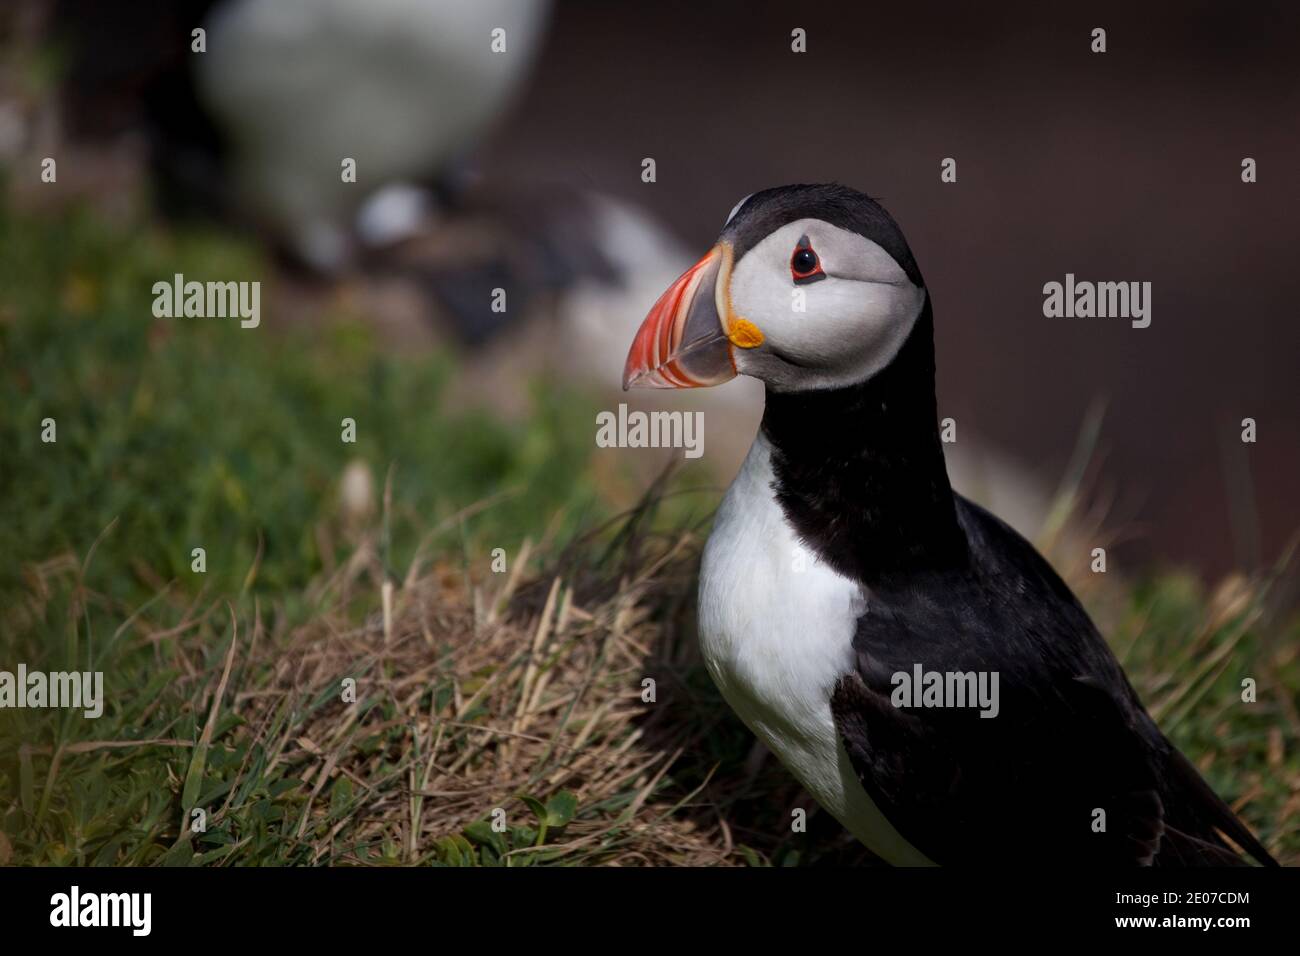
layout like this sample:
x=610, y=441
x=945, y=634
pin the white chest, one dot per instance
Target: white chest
x=776, y=630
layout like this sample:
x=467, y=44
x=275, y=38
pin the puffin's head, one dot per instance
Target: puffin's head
x=808, y=287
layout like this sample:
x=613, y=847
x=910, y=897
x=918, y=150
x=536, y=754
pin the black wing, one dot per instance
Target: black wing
x=1071, y=766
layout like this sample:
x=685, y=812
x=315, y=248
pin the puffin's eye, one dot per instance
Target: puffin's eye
x=805, y=266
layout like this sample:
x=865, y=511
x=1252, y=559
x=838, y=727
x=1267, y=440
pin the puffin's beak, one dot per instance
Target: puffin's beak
x=684, y=342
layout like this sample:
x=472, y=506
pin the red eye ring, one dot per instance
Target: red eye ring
x=805, y=264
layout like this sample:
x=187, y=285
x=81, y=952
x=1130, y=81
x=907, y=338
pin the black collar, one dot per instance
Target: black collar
x=860, y=472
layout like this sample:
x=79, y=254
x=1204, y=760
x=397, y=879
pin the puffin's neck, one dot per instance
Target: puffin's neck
x=859, y=471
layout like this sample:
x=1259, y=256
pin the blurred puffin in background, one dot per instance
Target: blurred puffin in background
x=254, y=131
x=842, y=566
x=406, y=88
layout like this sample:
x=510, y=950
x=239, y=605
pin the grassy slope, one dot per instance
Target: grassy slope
x=475, y=691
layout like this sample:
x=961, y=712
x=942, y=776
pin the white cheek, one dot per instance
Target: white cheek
x=837, y=331
x=848, y=331
x=764, y=296
x=841, y=319
x=852, y=329
x=830, y=320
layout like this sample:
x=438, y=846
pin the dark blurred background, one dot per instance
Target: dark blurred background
x=1123, y=166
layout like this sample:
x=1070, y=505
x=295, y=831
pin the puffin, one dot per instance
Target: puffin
x=843, y=573
x=406, y=88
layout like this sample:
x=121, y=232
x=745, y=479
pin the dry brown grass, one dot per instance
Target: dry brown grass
x=474, y=692
x=482, y=695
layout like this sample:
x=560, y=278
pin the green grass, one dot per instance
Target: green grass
x=176, y=434
x=197, y=433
